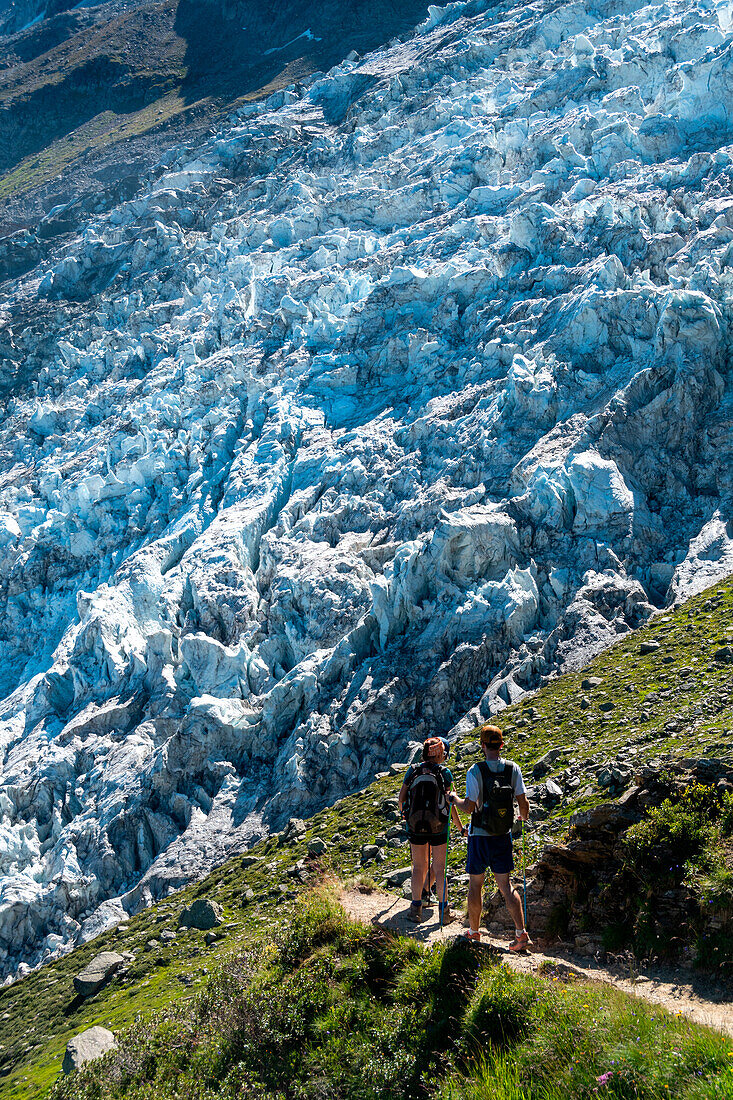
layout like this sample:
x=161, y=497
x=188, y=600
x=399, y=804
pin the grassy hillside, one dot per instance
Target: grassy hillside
x=642, y=709
x=338, y=1009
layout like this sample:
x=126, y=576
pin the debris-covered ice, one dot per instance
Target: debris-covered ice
x=402, y=392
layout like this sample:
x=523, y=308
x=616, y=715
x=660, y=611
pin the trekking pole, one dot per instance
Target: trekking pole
x=445, y=880
x=524, y=876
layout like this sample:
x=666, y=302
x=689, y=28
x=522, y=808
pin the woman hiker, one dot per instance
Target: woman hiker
x=424, y=802
x=491, y=788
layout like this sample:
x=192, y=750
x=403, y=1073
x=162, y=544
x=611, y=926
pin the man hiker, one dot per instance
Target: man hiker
x=424, y=802
x=491, y=788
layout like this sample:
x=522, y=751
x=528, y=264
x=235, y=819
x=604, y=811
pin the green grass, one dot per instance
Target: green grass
x=41, y=1011
x=331, y=1008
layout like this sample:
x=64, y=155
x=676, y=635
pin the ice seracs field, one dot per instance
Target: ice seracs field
x=399, y=393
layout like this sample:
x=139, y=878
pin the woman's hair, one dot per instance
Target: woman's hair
x=433, y=749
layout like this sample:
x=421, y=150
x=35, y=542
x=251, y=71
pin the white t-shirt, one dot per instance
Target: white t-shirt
x=474, y=785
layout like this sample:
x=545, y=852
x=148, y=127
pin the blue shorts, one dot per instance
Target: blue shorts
x=492, y=852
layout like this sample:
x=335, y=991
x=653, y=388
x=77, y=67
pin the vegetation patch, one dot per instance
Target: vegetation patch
x=297, y=1018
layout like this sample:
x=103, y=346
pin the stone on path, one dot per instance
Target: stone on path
x=96, y=973
x=202, y=914
x=89, y=1044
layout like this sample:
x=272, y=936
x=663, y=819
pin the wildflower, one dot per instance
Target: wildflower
x=604, y=1078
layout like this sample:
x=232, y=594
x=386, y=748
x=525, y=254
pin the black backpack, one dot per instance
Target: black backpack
x=496, y=815
x=427, y=810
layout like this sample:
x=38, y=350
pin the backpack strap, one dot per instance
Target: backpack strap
x=487, y=779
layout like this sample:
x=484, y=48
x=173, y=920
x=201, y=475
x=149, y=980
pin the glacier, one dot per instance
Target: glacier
x=404, y=391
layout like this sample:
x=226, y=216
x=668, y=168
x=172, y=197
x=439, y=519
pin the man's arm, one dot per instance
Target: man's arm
x=523, y=802
x=465, y=805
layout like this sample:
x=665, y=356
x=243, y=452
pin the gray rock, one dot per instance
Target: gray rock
x=202, y=914
x=247, y=896
x=554, y=790
x=86, y=1046
x=294, y=830
x=724, y=655
x=96, y=973
x=248, y=861
x=398, y=769
x=544, y=764
x=607, y=705
x=584, y=703
x=368, y=853
x=649, y=647
x=591, y=682
x=317, y=846
x=399, y=876
x=168, y=936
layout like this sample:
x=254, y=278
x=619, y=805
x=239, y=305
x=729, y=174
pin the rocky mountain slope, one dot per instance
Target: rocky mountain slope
x=92, y=95
x=592, y=744
x=394, y=397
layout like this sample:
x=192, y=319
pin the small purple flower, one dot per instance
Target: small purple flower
x=604, y=1078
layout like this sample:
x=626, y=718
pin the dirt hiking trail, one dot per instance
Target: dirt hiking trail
x=680, y=991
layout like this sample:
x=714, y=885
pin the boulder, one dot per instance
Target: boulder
x=96, y=973
x=317, y=846
x=554, y=790
x=293, y=831
x=88, y=1045
x=399, y=876
x=544, y=764
x=649, y=647
x=202, y=914
x=591, y=682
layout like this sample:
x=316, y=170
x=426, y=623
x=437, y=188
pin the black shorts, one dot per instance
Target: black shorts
x=434, y=841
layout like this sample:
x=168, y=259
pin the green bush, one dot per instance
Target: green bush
x=681, y=830
x=501, y=1012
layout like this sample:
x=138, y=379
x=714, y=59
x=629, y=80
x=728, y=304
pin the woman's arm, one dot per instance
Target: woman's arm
x=401, y=797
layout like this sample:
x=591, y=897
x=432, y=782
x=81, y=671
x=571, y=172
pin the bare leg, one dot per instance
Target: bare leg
x=512, y=900
x=475, y=886
x=420, y=863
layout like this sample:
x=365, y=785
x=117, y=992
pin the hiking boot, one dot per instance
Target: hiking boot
x=522, y=942
x=447, y=916
x=471, y=936
x=414, y=913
